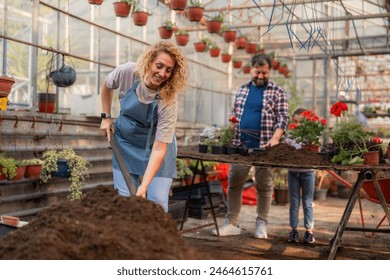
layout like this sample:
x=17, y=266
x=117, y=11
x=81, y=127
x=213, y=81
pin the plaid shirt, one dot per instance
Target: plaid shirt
x=274, y=114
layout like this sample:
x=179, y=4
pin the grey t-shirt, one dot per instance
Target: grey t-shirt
x=123, y=78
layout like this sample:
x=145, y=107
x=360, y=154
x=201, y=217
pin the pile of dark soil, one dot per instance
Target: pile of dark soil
x=102, y=225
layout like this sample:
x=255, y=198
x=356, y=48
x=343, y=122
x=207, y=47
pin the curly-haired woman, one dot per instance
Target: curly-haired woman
x=144, y=129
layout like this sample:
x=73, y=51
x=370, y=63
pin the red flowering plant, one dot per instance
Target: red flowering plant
x=309, y=130
x=350, y=139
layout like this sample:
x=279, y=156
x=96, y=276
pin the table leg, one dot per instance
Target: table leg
x=335, y=242
x=381, y=198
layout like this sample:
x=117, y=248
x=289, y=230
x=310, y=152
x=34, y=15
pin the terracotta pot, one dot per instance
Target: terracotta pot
x=6, y=84
x=281, y=196
x=20, y=170
x=371, y=158
x=46, y=102
x=214, y=52
x=165, y=33
x=246, y=69
x=33, y=171
x=195, y=13
x=275, y=64
x=200, y=46
x=178, y=5
x=229, y=36
x=2, y=175
x=181, y=39
x=260, y=51
x=95, y=2
x=251, y=48
x=121, y=9
x=213, y=26
x=240, y=42
x=225, y=57
x=237, y=64
x=140, y=18
x=311, y=148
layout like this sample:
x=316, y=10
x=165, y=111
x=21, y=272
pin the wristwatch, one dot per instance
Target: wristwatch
x=105, y=116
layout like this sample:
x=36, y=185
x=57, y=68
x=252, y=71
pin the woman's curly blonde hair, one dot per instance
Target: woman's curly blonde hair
x=177, y=82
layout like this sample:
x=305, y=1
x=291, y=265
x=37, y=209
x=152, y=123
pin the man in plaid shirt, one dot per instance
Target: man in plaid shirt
x=260, y=118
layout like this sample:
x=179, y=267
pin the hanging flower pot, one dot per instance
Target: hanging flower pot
x=200, y=46
x=6, y=84
x=47, y=102
x=95, y=2
x=195, y=13
x=229, y=35
x=178, y=5
x=240, y=42
x=181, y=38
x=275, y=64
x=246, y=69
x=237, y=64
x=122, y=9
x=165, y=33
x=251, y=48
x=225, y=57
x=214, y=52
x=261, y=50
x=213, y=26
x=140, y=18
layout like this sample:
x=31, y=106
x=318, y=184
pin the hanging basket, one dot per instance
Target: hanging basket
x=251, y=48
x=200, y=46
x=240, y=42
x=95, y=2
x=140, y=18
x=246, y=69
x=195, y=13
x=214, y=52
x=237, y=64
x=225, y=57
x=213, y=26
x=181, y=39
x=165, y=33
x=178, y=5
x=229, y=36
x=121, y=9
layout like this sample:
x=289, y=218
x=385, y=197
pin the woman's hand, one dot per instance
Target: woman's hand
x=141, y=191
x=105, y=126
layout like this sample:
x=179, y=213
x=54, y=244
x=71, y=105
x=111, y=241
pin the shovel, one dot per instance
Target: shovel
x=122, y=166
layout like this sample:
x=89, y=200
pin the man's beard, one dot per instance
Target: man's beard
x=259, y=82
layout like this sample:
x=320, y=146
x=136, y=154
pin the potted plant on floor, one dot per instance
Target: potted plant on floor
x=184, y=173
x=76, y=168
x=195, y=11
x=181, y=37
x=279, y=178
x=166, y=29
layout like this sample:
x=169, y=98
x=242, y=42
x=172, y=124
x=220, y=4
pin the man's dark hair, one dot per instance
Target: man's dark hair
x=261, y=60
x=299, y=111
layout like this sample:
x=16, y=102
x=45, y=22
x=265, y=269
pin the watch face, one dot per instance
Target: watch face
x=103, y=115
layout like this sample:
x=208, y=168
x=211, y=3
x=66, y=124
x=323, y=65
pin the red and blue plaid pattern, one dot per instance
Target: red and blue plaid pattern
x=274, y=114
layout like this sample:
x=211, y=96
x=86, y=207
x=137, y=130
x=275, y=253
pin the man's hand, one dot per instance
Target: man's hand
x=141, y=191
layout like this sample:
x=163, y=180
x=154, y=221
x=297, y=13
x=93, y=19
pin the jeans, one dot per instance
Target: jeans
x=158, y=190
x=238, y=175
x=306, y=180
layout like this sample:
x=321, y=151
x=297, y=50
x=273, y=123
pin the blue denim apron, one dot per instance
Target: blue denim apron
x=135, y=131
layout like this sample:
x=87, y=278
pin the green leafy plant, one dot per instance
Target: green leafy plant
x=279, y=178
x=181, y=32
x=169, y=25
x=226, y=136
x=183, y=170
x=31, y=161
x=195, y=3
x=8, y=166
x=218, y=17
x=78, y=167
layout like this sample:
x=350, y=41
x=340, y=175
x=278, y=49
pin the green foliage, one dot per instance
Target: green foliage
x=183, y=169
x=31, y=161
x=226, y=136
x=195, y=3
x=279, y=178
x=8, y=166
x=78, y=169
x=168, y=24
x=181, y=32
x=218, y=17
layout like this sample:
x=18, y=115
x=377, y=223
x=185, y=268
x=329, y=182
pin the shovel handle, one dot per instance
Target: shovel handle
x=122, y=166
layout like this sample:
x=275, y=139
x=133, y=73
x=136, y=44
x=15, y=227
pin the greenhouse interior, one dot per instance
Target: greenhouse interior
x=329, y=58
